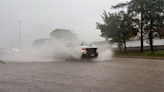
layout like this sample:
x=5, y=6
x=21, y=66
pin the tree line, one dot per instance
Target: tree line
x=135, y=16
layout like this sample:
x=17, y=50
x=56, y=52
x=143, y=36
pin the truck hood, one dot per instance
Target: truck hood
x=88, y=46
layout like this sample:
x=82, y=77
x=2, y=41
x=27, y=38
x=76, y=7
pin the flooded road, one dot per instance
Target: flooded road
x=116, y=75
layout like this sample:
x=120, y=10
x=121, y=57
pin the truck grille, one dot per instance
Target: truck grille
x=91, y=50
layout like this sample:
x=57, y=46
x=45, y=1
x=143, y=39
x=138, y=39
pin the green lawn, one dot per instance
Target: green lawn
x=148, y=54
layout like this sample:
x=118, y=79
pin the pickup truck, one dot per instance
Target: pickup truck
x=86, y=50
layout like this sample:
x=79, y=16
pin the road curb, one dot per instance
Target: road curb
x=140, y=57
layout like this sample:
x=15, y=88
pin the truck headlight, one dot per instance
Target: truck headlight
x=83, y=50
x=97, y=50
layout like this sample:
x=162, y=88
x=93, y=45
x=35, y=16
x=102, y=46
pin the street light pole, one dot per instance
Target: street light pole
x=19, y=34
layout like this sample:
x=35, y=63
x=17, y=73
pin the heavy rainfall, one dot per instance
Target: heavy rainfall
x=82, y=46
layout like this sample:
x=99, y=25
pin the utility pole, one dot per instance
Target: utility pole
x=19, y=34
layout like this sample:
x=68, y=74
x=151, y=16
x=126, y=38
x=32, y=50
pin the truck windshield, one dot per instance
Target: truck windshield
x=84, y=44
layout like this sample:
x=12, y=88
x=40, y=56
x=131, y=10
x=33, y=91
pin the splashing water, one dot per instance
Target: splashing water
x=55, y=52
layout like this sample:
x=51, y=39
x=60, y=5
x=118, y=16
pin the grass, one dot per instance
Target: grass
x=147, y=54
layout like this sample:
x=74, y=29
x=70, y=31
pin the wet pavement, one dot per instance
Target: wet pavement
x=117, y=75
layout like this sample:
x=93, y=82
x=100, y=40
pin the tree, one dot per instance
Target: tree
x=134, y=8
x=127, y=26
x=154, y=19
x=110, y=28
x=118, y=27
x=63, y=35
x=151, y=14
x=104, y=30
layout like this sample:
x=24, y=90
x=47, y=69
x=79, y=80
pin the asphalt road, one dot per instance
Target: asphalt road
x=117, y=75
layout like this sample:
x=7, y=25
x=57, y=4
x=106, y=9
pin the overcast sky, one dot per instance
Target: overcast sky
x=39, y=17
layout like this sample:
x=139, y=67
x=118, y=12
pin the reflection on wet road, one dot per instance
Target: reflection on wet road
x=117, y=75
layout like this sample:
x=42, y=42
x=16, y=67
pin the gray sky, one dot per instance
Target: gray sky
x=39, y=17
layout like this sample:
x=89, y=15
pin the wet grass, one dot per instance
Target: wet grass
x=147, y=54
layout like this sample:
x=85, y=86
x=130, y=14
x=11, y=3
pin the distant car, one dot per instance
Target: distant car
x=16, y=50
x=86, y=50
